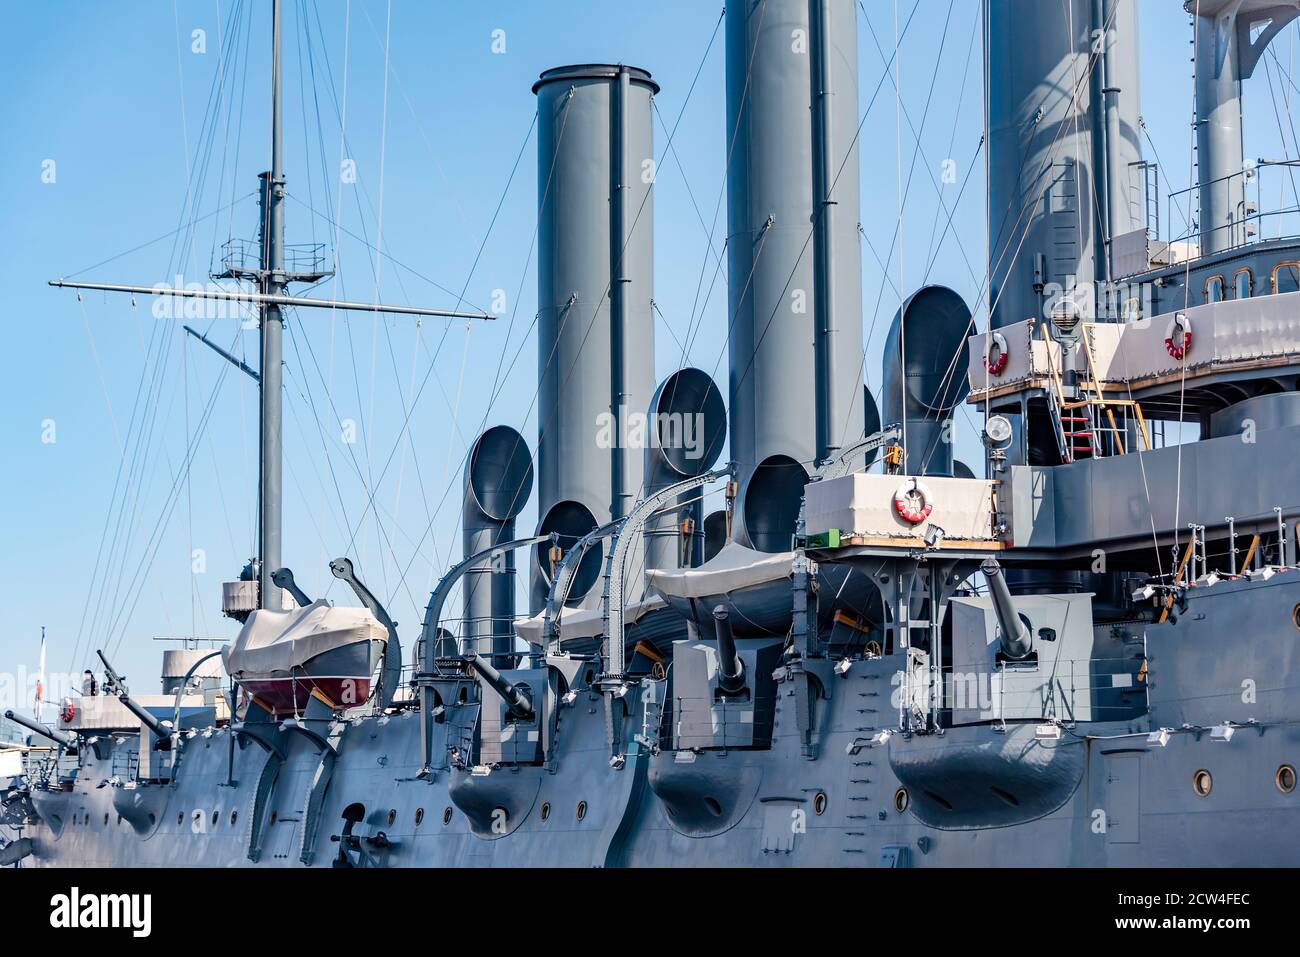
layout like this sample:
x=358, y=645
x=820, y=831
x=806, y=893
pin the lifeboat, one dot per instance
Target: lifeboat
x=281, y=657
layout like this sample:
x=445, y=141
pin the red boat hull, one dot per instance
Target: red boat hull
x=290, y=694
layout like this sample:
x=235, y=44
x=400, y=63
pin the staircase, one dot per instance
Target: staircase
x=1079, y=422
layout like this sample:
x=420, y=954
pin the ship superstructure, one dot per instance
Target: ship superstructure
x=1086, y=655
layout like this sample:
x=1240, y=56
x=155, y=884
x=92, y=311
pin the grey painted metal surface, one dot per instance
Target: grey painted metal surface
x=1153, y=725
x=837, y=297
x=1044, y=222
x=773, y=264
x=687, y=429
x=921, y=382
x=498, y=480
x=270, y=366
x=1117, y=83
x=1219, y=148
x=595, y=286
x=1059, y=785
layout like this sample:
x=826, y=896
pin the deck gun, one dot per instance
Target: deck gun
x=517, y=703
x=116, y=684
x=1015, y=632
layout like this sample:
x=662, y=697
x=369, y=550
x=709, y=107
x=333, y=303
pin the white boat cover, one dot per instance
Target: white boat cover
x=275, y=642
x=584, y=622
x=733, y=568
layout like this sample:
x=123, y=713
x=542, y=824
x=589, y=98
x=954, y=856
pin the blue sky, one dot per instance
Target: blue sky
x=116, y=96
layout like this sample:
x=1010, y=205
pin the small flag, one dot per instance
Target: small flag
x=40, y=678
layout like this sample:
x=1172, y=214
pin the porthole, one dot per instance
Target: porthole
x=106, y=815
x=419, y=816
x=1295, y=616
x=215, y=815
x=234, y=816
x=546, y=810
x=819, y=803
x=582, y=810
x=180, y=817
x=275, y=816
x=119, y=820
x=446, y=816
x=392, y=816
x=714, y=806
x=901, y=800
x=1285, y=779
x=1202, y=782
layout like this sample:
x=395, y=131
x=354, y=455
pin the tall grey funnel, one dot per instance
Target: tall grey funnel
x=595, y=344
x=794, y=287
x=1063, y=133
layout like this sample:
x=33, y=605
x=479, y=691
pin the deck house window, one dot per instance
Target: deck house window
x=1286, y=278
x=1214, y=289
x=1244, y=281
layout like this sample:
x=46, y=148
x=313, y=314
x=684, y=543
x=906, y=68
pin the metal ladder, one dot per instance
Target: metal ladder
x=1079, y=423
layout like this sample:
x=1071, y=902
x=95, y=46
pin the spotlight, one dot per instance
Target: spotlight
x=1222, y=733
x=1159, y=738
x=1048, y=732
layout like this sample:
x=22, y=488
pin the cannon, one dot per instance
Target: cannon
x=162, y=729
x=1014, y=630
x=731, y=671
x=63, y=738
x=517, y=703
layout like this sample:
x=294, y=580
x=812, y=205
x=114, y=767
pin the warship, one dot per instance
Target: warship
x=1083, y=652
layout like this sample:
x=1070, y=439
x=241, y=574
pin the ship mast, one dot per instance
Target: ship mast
x=272, y=280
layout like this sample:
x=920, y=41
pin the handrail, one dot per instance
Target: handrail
x=429, y=634
x=612, y=599
x=562, y=579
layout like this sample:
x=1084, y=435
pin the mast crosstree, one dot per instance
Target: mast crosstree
x=272, y=281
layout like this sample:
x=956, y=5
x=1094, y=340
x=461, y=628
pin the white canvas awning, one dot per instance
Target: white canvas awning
x=584, y=622
x=733, y=568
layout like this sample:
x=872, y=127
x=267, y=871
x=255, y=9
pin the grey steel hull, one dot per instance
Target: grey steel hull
x=1100, y=796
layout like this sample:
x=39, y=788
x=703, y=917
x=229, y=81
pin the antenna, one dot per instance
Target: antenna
x=271, y=279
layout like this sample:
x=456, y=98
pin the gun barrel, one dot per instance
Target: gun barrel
x=53, y=734
x=518, y=703
x=153, y=724
x=1015, y=636
x=731, y=672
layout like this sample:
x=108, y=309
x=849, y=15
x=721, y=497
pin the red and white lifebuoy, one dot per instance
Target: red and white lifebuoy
x=68, y=713
x=1178, y=336
x=913, y=501
x=996, y=354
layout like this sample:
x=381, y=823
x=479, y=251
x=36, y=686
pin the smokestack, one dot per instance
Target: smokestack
x=596, y=329
x=1051, y=161
x=1220, y=153
x=498, y=481
x=921, y=390
x=795, y=282
x=688, y=425
x=1122, y=115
